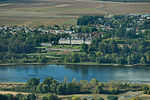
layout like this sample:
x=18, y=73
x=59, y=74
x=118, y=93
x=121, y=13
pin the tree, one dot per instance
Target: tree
x=53, y=87
x=31, y=97
x=94, y=81
x=61, y=88
x=99, y=98
x=45, y=98
x=45, y=88
x=76, y=87
x=103, y=47
x=48, y=80
x=145, y=89
x=98, y=89
x=69, y=88
x=20, y=97
x=73, y=58
x=52, y=97
x=143, y=60
x=39, y=88
x=112, y=97
x=84, y=48
x=33, y=82
x=10, y=97
x=3, y=97
x=76, y=98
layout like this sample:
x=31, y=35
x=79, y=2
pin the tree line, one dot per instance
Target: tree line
x=50, y=85
x=49, y=97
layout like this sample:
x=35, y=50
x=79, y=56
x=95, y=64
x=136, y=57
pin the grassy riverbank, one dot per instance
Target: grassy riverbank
x=82, y=64
x=130, y=95
x=124, y=96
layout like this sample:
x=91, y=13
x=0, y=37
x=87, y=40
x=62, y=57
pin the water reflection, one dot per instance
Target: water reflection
x=22, y=73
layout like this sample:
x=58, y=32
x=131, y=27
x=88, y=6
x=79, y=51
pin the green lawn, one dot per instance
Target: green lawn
x=41, y=47
x=66, y=46
x=36, y=54
x=70, y=22
x=54, y=57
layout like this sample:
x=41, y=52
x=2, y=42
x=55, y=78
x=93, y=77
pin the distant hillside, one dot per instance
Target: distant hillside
x=7, y=1
x=13, y=1
x=126, y=0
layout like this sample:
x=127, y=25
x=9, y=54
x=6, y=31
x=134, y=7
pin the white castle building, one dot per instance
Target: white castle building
x=75, y=40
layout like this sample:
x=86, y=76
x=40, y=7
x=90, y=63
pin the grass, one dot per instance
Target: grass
x=88, y=63
x=66, y=47
x=53, y=53
x=54, y=57
x=70, y=22
x=41, y=47
x=148, y=40
x=49, y=55
x=36, y=54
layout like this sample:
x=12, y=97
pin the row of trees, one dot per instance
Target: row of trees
x=48, y=97
x=25, y=43
x=28, y=97
x=114, y=58
x=50, y=85
x=18, y=97
x=97, y=98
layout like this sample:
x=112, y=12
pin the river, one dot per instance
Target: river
x=21, y=73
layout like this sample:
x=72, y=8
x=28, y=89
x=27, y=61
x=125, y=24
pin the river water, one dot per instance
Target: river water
x=21, y=73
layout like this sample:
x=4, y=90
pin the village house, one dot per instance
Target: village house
x=61, y=31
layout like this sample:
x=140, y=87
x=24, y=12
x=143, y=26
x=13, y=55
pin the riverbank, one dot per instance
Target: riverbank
x=10, y=84
x=125, y=96
x=122, y=96
x=82, y=64
x=122, y=92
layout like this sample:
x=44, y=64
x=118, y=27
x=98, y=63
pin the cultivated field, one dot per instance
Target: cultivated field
x=49, y=12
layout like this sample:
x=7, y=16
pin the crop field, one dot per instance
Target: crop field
x=50, y=12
